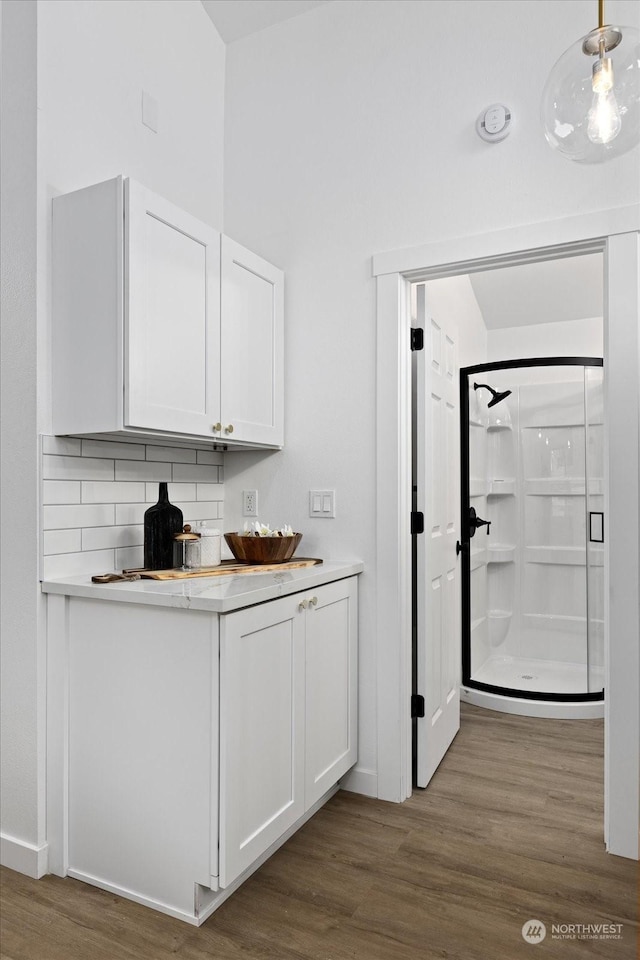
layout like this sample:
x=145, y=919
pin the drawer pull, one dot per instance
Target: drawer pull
x=313, y=601
x=303, y=605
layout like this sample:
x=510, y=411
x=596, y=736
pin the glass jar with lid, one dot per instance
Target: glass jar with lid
x=186, y=549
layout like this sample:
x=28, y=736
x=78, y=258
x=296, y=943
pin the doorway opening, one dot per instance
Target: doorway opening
x=507, y=472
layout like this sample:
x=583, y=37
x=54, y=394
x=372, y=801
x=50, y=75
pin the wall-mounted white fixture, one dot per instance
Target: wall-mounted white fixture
x=591, y=101
x=494, y=123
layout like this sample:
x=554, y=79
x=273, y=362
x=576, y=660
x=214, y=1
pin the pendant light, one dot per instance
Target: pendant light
x=591, y=101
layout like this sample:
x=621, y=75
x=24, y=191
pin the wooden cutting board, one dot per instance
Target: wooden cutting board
x=226, y=568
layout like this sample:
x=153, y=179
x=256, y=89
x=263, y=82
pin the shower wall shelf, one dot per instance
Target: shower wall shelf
x=478, y=487
x=477, y=558
x=501, y=487
x=499, y=622
x=498, y=426
x=565, y=556
x=501, y=553
x=555, y=487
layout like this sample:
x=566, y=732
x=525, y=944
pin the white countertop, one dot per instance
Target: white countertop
x=216, y=594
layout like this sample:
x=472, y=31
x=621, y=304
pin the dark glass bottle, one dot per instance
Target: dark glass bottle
x=160, y=523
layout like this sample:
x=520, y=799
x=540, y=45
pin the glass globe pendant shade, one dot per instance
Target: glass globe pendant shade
x=591, y=101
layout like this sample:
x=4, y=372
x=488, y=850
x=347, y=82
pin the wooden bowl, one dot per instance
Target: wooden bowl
x=262, y=549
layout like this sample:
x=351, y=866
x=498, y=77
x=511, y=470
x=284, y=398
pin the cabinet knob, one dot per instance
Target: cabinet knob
x=313, y=601
x=303, y=605
x=217, y=427
x=229, y=429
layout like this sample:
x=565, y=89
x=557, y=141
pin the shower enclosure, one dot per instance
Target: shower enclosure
x=533, y=535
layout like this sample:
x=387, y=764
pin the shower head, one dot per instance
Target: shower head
x=495, y=396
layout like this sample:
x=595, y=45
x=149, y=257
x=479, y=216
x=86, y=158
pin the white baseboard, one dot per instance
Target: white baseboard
x=24, y=857
x=361, y=781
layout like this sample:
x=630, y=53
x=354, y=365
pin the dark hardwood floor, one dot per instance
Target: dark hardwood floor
x=509, y=830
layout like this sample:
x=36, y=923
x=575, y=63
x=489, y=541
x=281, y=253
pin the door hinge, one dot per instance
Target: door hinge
x=417, y=705
x=417, y=338
x=417, y=521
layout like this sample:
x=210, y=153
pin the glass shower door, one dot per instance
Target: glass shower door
x=594, y=421
x=533, y=589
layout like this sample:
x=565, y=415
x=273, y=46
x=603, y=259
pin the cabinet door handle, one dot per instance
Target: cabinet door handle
x=303, y=605
x=229, y=429
x=313, y=601
x=217, y=427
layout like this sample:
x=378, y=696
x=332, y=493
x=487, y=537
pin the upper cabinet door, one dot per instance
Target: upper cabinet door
x=172, y=318
x=252, y=347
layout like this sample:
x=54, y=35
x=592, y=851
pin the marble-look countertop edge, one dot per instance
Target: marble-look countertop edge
x=215, y=594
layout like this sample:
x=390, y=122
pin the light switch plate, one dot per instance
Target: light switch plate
x=322, y=503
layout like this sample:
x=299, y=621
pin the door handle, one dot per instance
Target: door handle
x=475, y=521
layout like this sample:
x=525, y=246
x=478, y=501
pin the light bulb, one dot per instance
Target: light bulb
x=604, y=121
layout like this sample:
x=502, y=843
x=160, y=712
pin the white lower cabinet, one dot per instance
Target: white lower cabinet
x=184, y=745
x=288, y=701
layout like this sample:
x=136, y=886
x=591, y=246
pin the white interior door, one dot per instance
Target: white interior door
x=438, y=494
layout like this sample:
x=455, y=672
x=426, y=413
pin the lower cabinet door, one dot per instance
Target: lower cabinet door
x=261, y=730
x=331, y=686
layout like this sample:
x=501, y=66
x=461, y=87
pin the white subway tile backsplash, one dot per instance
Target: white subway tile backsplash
x=209, y=491
x=131, y=513
x=76, y=468
x=199, y=510
x=177, y=491
x=174, y=454
x=190, y=471
x=100, y=538
x=210, y=457
x=78, y=515
x=109, y=448
x=142, y=470
x=62, y=541
x=70, y=564
x=65, y=446
x=97, y=492
x=61, y=491
x=129, y=558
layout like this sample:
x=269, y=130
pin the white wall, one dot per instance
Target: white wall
x=350, y=130
x=567, y=338
x=94, y=59
x=22, y=746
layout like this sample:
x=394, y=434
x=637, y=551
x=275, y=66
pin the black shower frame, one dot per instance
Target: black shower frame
x=465, y=539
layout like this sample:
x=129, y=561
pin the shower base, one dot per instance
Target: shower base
x=536, y=676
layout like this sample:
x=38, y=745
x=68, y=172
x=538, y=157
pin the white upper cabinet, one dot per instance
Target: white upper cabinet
x=172, y=317
x=252, y=346
x=139, y=345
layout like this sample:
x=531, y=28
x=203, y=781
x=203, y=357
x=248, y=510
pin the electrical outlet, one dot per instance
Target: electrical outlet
x=249, y=503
